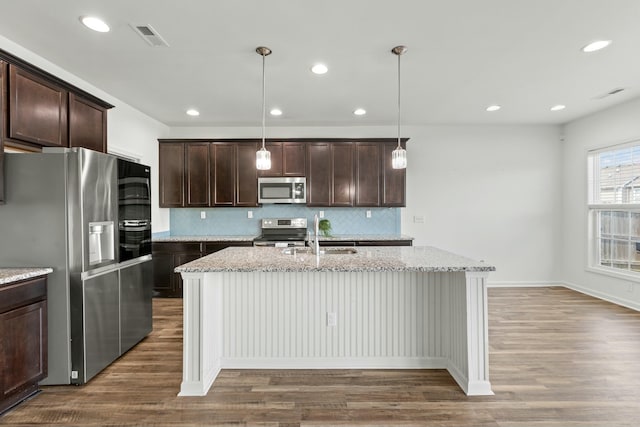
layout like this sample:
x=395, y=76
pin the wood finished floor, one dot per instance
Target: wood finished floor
x=557, y=358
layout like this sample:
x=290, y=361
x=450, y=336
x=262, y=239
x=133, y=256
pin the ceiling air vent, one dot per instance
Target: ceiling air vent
x=150, y=35
x=611, y=92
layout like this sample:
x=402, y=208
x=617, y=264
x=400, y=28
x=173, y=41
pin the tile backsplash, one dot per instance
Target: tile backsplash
x=235, y=221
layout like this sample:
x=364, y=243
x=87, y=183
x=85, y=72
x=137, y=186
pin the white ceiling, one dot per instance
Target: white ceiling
x=463, y=56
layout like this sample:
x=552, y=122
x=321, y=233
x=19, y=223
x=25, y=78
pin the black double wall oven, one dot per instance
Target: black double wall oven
x=134, y=209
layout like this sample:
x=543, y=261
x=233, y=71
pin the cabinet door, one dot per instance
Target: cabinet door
x=3, y=97
x=342, y=174
x=37, y=109
x=367, y=174
x=275, y=148
x=393, y=180
x=223, y=174
x=293, y=159
x=197, y=174
x=319, y=174
x=171, y=171
x=87, y=124
x=179, y=259
x=246, y=175
x=162, y=274
x=23, y=347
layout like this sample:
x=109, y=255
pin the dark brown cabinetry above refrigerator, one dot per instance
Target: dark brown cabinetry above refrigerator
x=339, y=172
x=42, y=110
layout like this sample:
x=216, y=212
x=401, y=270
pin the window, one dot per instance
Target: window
x=614, y=208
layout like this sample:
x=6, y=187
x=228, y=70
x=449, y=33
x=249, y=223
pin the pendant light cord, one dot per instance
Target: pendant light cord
x=263, y=101
x=399, y=101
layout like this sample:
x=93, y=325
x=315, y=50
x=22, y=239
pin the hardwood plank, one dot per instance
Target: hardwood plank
x=557, y=358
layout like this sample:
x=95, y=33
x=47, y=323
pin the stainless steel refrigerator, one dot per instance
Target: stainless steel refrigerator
x=62, y=211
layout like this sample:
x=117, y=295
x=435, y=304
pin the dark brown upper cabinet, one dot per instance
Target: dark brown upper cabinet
x=37, y=109
x=234, y=178
x=246, y=174
x=87, y=124
x=172, y=174
x=287, y=159
x=42, y=110
x=3, y=68
x=223, y=173
x=342, y=185
x=319, y=174
x=339, y=172
x=393, y=180
x=197, y=174
x=330, y=174
x=367, y=174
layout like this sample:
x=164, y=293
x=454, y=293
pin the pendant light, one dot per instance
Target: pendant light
x=399, y=155
x=263, y=157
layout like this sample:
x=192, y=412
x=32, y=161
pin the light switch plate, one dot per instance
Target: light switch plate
x=368, y=214
x=249, y=214
x=203, y=215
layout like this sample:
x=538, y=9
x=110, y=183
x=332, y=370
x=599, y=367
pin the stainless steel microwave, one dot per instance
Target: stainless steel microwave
x=282, y=190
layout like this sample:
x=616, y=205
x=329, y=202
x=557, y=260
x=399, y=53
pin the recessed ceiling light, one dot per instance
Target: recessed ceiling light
x=193, y=112
x=558, y=107
x=493, y=108
x=597, y=45
x=319, y=69
x=275, y=112
x=96, y=24
x=359, y=111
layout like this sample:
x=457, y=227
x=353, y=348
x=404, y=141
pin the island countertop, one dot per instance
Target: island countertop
x=367, y=259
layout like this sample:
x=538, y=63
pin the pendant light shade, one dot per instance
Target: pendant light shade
x=263, y=157
x=399, y=155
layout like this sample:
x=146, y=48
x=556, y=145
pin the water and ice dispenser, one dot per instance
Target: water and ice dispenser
x=101, y=242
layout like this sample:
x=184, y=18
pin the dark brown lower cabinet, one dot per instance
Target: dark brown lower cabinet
x=23, y=339
x=168, y=255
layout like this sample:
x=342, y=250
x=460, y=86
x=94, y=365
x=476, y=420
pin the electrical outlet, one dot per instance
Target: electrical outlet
x=74, y=375
x=418, y=219
x=630, y=287
x=203, y=215
x=332, y=318
x=368, y=214
x=249, y=214
x=321, y=214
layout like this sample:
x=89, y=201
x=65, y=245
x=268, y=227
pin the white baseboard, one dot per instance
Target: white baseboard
x=336, y=363
x=539, y=284
x=600, y=295
x=603, y=296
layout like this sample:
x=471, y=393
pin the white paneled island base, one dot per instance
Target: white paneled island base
x=411, y=307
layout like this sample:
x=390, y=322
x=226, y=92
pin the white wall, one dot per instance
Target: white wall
x=488, y=192
x=615, y=125
x=128, y=130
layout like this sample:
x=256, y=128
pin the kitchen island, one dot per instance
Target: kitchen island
x=381, y=307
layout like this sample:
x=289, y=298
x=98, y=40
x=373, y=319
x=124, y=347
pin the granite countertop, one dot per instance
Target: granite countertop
x=342, y=237
x=204, y=238
x=361, y=237
x=404, y=258
x=9, y=275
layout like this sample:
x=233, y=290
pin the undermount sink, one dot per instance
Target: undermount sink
x=323, y=251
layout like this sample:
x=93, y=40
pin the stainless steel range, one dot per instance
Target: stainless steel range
x=282, y=232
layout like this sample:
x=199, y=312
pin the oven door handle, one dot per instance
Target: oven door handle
x=135, y=223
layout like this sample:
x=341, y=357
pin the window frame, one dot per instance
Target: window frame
x=593, y=218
